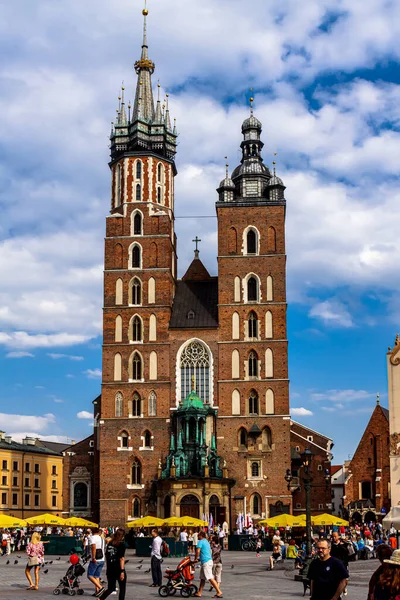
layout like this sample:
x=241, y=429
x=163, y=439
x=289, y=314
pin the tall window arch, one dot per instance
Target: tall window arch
x=255, y=469
x=136, y=405
x=269, y=363
x=138, y=192
x=119, y=404
x=236, y=290
x=124, y=439
x=254, y=404
x=252, y=289
x=159, y=194
x=117, y=367
x=235, y=326
x=136, y=257
x=118, y=256
x=269, y=330
x=136, y=472
x=256, y=504
x=236, y=402
x=138, y=169
x=252, y=325
x=147, y=439
x=118, y=329
x=137, y=223
x=270, y=289
x=135, y=291
x=152, y=409
x=136, y=367
x=195, y=361
x=242, y=437
x=267, y=438
x=253, y=364
x=136, y=508
x=136, y=333
x=159, y=173
x=251, y=242
x=232, y=241
x=271, y=239
x=119, y=292
x=119, y=186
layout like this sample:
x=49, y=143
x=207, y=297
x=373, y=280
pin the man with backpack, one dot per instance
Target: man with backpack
x=156, y=559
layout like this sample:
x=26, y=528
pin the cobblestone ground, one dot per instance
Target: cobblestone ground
x=247, y=579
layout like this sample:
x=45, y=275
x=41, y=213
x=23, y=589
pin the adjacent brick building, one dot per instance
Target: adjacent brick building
x=223, y=338
x=367, y=485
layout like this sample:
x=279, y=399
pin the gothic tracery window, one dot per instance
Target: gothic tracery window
x=136, y=329
x=136, y=257
x=136, y=291
x=136, y=367
x=252, y=289
x=152, y=404
x=136, y=508
x=251, y=242
x=254, y=407
x=138, y=169
x=138, y=192
x=136, y=405
x=195, y=362
x=253, y=364
x=118, y=404
x=253, y=325
x=136, y=472
x=137, y=224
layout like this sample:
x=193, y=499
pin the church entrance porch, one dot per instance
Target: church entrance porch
x=190, y=506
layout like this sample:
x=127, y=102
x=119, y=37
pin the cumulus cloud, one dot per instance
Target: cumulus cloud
x=332, y=313
x=84, y=414
x=93, y=373
x=301, y=412
x=28, y=423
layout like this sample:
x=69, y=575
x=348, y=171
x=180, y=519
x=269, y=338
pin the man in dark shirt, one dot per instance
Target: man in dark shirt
x=340, y=551
x=327, y=574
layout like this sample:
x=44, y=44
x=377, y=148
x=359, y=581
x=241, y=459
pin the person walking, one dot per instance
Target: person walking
x=383, y=552
x=339, y=550
x=35, y=552
x=96, y=551
x=156, y=559
x=204, y=554
x=115, y=561
x=327, y=574
x=217, y=560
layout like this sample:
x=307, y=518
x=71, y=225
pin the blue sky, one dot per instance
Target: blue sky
x=326, y=83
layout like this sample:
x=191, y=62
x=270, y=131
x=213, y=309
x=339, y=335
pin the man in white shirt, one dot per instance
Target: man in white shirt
x=156, y=559
x=97, y=548
x=183, y=536
x=221, y=537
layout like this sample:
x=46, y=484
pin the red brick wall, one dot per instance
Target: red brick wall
x=78, y=455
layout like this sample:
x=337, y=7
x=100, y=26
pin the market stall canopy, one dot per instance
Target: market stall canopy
x=185, y=522
x=393, y=517
x=79, y=522
x=145, y=522
x=7, y=522
x=46, y=519
x=326, y=519
x=283, y=521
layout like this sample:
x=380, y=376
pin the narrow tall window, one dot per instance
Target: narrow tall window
x=136, y=508
x=271, y=239
x=256, y=505
x=136, y=257
x=159, y=195
x=269, y=363
x=243, y=437
x=152, y=404
x=136, y=405
x=253, y=325
x=136, y=472
x=119, y=182
x=118, y=257
x=255, y=469
x=268, y=325
x=119, y=292
x=159, y=173
x=124, y=440
x=253, y=364
x=136, y=329
x=117, y=367
x=118, y=329
x=253, y=403
x=118, y=404
x=137, y=224
x=195, y=362
x=232, y=241
x=136, y=367
x=267, y=438
x=252, y=289
x=136, y=291
x=147, y=439
x=138, y=169
x=251, y=242
x=138, y=192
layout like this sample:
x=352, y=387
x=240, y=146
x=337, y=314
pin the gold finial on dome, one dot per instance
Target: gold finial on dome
x=145, y=12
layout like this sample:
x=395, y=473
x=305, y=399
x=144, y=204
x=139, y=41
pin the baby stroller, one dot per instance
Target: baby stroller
x=69, y=584
x=179, y=579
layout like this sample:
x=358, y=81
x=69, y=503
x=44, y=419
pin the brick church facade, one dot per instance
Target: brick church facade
x=194, y=411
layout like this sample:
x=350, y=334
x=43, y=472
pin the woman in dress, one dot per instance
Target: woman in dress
x=35, y=552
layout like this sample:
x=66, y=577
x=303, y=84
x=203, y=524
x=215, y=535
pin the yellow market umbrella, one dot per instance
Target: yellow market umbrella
x=283, y=521
x=79, y=522
x=145, y=522
x=46, y=519
x=326, y=519
x=7, y=522
x=192, y=522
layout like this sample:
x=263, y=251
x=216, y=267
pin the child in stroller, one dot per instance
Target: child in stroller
x=69, y=584
x=179, y=579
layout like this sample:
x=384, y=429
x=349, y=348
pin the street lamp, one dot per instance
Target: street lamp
x=306, y=459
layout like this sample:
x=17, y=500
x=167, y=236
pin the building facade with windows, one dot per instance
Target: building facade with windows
x=31, y=478
x=194, y=410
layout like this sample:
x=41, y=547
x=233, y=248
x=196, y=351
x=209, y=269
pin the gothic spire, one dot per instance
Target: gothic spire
x=143, y=107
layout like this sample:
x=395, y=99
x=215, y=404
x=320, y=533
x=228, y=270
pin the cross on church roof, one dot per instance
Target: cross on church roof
x=196, y=240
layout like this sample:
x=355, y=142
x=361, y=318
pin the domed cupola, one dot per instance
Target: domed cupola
x=276, y=188
x=226, y=188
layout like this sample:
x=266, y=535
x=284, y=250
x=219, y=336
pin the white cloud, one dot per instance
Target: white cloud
x=84, y=414
x=342, y=396
x=12, y=423
x=58, y=400
x=301, y=412
x=22, y=339
x=39, y=387
x=19, y=354
x=93, y=373
x=18, y=436
x=332, y=313
x=69, y=356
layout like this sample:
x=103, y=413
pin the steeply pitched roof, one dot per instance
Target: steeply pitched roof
x=195, y=304
x=196, y=271
x=54, y=446
x=385, y=412
x=31, y=449
x=335, y=469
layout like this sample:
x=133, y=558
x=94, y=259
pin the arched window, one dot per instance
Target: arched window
x=235, y=326
x=138, y=192
x=159, y=173
x=136, y=367
x=152, y=328
x=135, y=291
x=118, y=329
x=136, y=477
x=136, y=405
x=153, y=366
x=269, y=402
x=136, y=508
x=253, y=325
x=118, y=404
x=269, y=363
x=271, y=239
x=269, y=333
x=117, y=367
x=232, y=241
x=254, y=405
x=152, y=404
x=159, y=195
x=256, y=504
x=136, y=256
x=252, y=289
x=137, y=330
x=147, y=439
x=253, y=364
x=195, y=362
x=255, y=469
x=270, y=289
x=137, y=224
x=118, y=292
x=152, y=290
x=124, y=440
x=236, y=402
x=251, y=242
x=267, y=438
x=80, y=495
x=118, y=257
x=235, y=365
x=237, y=294
x=242, y=437
x=138, y=169
x=153, y=255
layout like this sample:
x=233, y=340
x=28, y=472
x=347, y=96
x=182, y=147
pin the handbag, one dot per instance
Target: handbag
x=33, y=561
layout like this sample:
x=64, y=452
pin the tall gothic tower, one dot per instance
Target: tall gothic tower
x=139, y=282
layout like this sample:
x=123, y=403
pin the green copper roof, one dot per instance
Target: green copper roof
x=192, y=401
